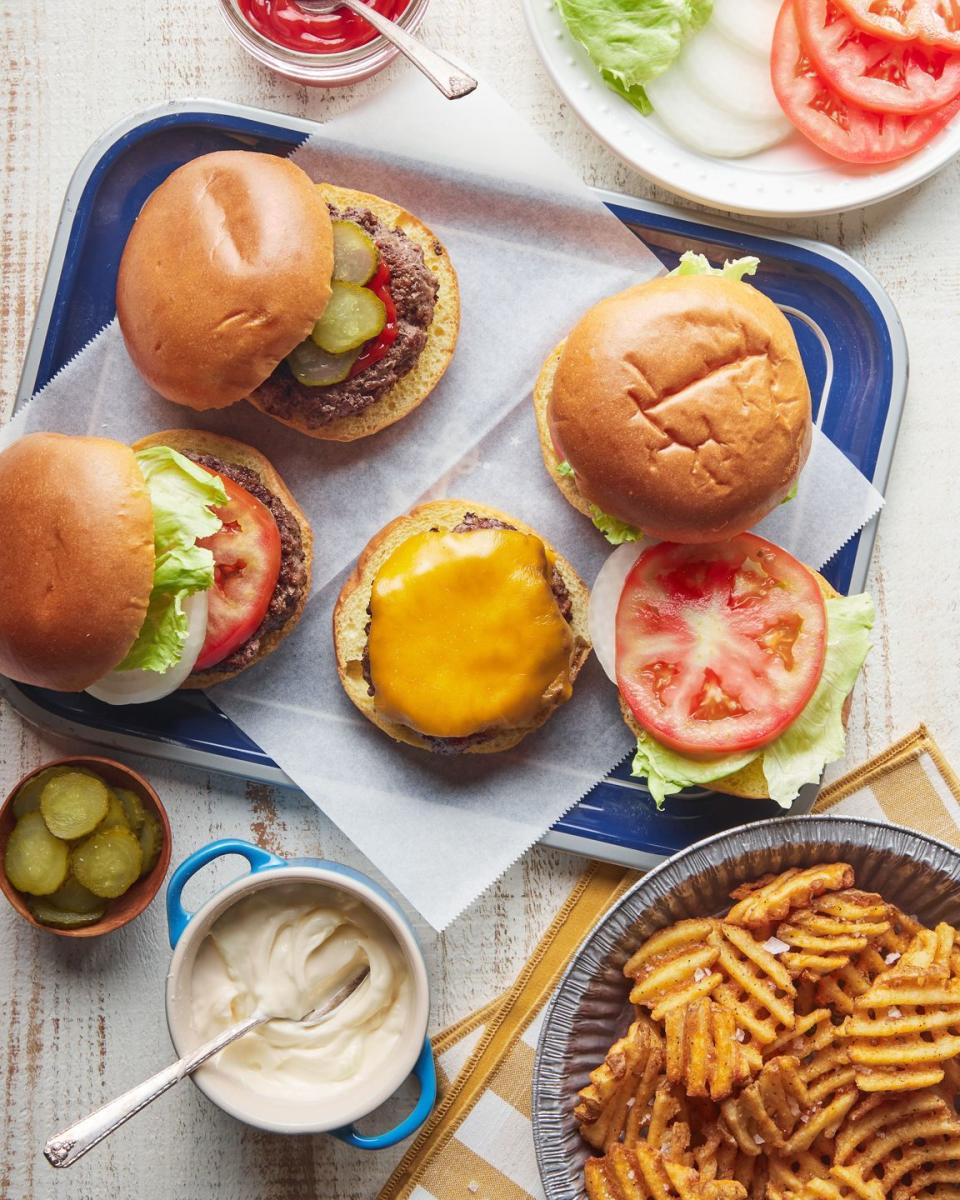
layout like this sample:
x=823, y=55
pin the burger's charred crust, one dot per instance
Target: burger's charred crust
x=457, y=745
x=293, y=563
x=413, y=288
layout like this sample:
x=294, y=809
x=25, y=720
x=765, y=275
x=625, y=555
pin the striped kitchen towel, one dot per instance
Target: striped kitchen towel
x=478, y=1143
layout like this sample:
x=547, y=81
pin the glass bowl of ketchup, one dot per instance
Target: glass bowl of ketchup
x=328, y=49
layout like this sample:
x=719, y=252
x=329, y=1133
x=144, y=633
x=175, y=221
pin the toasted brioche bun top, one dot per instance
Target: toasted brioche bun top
x=683, y=407
x=225, y=271
x=76, y=558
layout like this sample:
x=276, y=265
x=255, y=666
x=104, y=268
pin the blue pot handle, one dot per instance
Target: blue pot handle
x=426, y=1073
x=177, y=916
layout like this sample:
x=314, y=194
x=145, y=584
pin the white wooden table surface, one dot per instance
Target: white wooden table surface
x=80, y=1022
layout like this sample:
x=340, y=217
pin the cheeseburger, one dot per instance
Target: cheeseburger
x=333, y=311
x=460, y=630
x=131, y=571
x=735, y=664
x=678, y=408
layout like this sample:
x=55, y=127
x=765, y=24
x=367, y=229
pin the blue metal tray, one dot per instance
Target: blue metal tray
x=849, y=334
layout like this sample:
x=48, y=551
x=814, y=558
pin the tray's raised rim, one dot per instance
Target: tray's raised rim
x=100, y=150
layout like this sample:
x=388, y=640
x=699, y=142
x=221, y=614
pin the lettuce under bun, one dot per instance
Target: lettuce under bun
x=798, y=756
x=714, y=367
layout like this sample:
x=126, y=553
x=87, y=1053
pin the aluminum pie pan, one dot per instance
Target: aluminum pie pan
x=590, y=1008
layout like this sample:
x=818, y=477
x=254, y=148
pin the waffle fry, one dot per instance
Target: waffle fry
x=674, y=967
x=703, y=1052
x=888, y=1138
x=825, y=935
x=907, y=1023
x=617, y=1100
x=841, y=990
x=757, y=989
x=642, y=1173
x=804, y=1047
x=770, y=899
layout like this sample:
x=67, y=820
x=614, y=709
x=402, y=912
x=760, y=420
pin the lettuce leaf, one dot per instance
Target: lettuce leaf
x=614, y=530
x=698, y=264
x=564, y=468
x=633, y=41
x=800, y=753
x=792, y=494
x=183, y=496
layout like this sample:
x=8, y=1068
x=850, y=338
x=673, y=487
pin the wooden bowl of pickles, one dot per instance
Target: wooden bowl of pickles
x=84, y=846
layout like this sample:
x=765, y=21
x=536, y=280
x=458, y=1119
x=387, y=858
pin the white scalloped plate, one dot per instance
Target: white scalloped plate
x=790, y=180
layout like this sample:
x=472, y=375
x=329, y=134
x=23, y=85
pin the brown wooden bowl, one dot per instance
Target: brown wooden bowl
x=130, y=905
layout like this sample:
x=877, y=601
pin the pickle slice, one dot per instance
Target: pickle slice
x=72, y=897
x=355, y=254
x=108, y=863
x=74, y=804
x=133, y=807
x=28, y=798
x=353, y=316
x=35, y=860
x=314, y=367
x=151, y=838
x=49, y=914
x=116, y=817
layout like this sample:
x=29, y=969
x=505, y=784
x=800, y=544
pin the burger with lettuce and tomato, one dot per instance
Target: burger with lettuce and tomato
x=129, y=572
x=735, y=664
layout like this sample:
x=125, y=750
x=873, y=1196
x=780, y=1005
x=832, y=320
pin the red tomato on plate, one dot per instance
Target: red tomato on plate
x=719, y=647
x=246, y=552
x=838, y=127
x=874, y=72
x=932, y=21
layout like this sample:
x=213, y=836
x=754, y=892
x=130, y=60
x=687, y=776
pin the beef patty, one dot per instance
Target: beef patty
x=457, y=745
x=414, y=291
x=293, y=562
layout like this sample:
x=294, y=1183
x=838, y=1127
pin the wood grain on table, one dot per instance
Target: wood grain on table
x=82, y=1021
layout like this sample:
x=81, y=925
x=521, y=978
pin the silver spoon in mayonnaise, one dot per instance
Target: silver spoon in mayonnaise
x=65, y=1148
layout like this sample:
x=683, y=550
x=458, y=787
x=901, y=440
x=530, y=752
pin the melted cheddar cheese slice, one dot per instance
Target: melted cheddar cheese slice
x=465, y=633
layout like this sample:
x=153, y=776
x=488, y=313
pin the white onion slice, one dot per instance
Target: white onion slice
x=749, y=23
x=604, y=598
x=734, y=79
x=140, y=687
x=703, y=126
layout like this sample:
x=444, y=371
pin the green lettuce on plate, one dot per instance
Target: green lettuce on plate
x=799, y=755
x=633, y=41
x=183, y=496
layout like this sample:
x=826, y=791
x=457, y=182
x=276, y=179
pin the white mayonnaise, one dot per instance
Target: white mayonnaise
x=284, y=949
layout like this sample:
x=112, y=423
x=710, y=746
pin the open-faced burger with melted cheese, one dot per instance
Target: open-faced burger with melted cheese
x=129, y=572
x=460, y=630
x=333, y=311
x=735, y=664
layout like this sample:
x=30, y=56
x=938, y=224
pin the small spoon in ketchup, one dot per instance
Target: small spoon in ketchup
x=452, y=80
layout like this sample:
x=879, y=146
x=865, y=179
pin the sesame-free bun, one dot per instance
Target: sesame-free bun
x=749, y=782
x=76, y=558
x=681, y=405
x=228, y=450
x=416, y=385
x=226, y=269
x=351, y=619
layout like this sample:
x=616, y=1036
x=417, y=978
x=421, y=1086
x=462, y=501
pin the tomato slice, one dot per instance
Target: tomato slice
x=246, y=551
x=719, y=647
x=874, y=72
x=935, y=22
x=837, y=126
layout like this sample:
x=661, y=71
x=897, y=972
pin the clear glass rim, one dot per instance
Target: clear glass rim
x=341, y=66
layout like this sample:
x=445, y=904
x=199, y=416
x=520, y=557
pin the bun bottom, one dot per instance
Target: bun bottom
x=229, y=450
x=749, y=783
x=413, y=388
x=350, y=619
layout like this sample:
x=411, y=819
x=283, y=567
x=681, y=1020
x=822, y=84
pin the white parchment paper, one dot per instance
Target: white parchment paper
x=533, y=248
